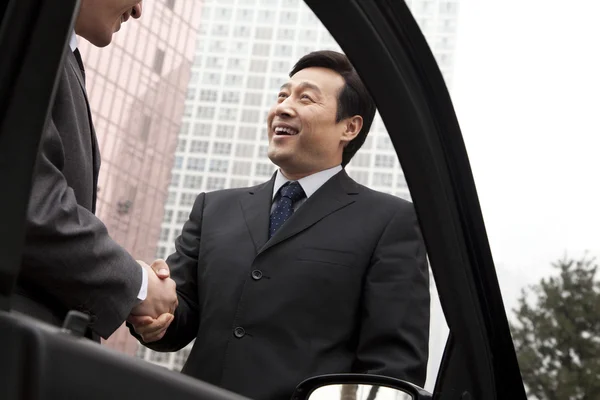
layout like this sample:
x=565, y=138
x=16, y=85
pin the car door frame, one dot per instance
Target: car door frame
x=387, y=48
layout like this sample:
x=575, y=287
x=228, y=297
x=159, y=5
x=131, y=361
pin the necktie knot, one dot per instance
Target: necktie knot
x=292, y=191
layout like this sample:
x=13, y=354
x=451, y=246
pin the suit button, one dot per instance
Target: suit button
x=257, y=275
x=239, y=332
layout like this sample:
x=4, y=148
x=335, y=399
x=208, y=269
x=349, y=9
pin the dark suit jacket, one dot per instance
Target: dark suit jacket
x=343, y=286
x=69, y=260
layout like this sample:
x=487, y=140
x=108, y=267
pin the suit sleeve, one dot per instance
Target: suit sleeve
x=184, y=271
x=68, y=253
x=394, y=330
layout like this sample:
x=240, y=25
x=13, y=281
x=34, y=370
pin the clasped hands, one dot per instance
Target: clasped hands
x=151, y=318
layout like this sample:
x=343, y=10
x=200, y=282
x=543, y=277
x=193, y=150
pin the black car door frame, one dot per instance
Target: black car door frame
x=387, y=48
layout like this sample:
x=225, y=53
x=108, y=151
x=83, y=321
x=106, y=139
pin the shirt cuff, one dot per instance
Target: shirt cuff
x=144, y=289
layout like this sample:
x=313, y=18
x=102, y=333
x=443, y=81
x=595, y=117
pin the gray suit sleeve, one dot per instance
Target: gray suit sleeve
x=394, y=331
x=184, y=271
x=68, y=253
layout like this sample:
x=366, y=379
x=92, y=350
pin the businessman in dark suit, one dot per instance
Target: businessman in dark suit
x=308, y=273
x=69, y=261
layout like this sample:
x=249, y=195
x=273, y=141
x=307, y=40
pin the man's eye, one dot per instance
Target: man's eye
x=305, y=96
x=282, y=95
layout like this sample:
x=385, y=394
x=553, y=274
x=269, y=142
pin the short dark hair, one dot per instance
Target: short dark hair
x=353, y=99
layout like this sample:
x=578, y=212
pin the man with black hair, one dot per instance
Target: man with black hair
x=306, y=274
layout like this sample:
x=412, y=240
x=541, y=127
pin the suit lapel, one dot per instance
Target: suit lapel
x=72, y=61
x=256, y=207
x=335, y=194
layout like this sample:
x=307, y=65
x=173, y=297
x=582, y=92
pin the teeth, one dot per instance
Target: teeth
x=288, y=131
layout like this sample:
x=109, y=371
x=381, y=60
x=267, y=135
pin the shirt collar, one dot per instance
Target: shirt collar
x=310, y=184
x=73, y=42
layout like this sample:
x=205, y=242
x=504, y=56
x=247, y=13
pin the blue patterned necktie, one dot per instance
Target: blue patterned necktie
x=291, y=192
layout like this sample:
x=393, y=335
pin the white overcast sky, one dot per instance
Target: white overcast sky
x=526, y=91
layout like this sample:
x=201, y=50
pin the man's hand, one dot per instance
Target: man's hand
x=151, y=329
x=161, y=297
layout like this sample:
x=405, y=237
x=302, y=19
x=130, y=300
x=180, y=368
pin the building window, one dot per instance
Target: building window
x=145, y=127
x=283, y=50
x=280, y=67
x=382, y=179
x=218, y=166
x=171, y=198
x=202, y=129
x=168, y=216
x=245, y=15
x=175, y=178
x=225, y=131
x=220, y=30
x=255, y=82
x=263, y=169
x=230, y=97
x=247, y=133
x=384, y=161
x=234, y=80
x=164, y=234
x=187, y=199
x=208, y=95
x=258, y=66
x=261, y=49
x=196, y=164
x=192, y=182
x=228, y=114
x=214, y=62
x=178, y=162
x=236, y=63
x=253, y=99
x=241, y=31
x=214, y=183
x=262, y=150
x=241, y=167
x=211, y=78
x=206, y=112
x=182, y=216
x=181, y=145
x=199, y=146
x=239, y=183
x=244, y=150
x=361, y=160
x=286, y=34
x=264, y=33
x=170, y=4
x=288, y=17
x=159, y=61
x=222, y=148
x=250, y=116
x=223, y=14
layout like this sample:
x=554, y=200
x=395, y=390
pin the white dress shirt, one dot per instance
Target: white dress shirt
x=144, y=289
x=310, y=184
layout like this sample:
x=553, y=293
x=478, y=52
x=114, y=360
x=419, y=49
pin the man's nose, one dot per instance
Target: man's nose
x=136, y=11
x=285, y=109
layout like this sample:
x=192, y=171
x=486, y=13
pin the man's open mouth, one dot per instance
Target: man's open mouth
x=280, y=130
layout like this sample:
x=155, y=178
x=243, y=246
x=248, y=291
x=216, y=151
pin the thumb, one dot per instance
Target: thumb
x=161, y=269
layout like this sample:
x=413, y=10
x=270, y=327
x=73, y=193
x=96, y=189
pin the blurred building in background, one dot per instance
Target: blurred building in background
x=137, y=88
x=244, y=51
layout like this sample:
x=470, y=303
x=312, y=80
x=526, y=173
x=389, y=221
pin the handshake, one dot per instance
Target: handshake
x=151, y=318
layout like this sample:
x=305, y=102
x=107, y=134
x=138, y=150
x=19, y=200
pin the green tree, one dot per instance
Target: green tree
x=557, y=333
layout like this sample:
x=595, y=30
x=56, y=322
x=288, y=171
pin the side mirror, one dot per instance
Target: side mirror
x=358, y=387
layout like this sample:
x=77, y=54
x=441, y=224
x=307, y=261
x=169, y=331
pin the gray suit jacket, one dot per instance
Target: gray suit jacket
x=343, y=286
x=69, y=260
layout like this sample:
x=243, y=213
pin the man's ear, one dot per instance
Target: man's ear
x=352, y=125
